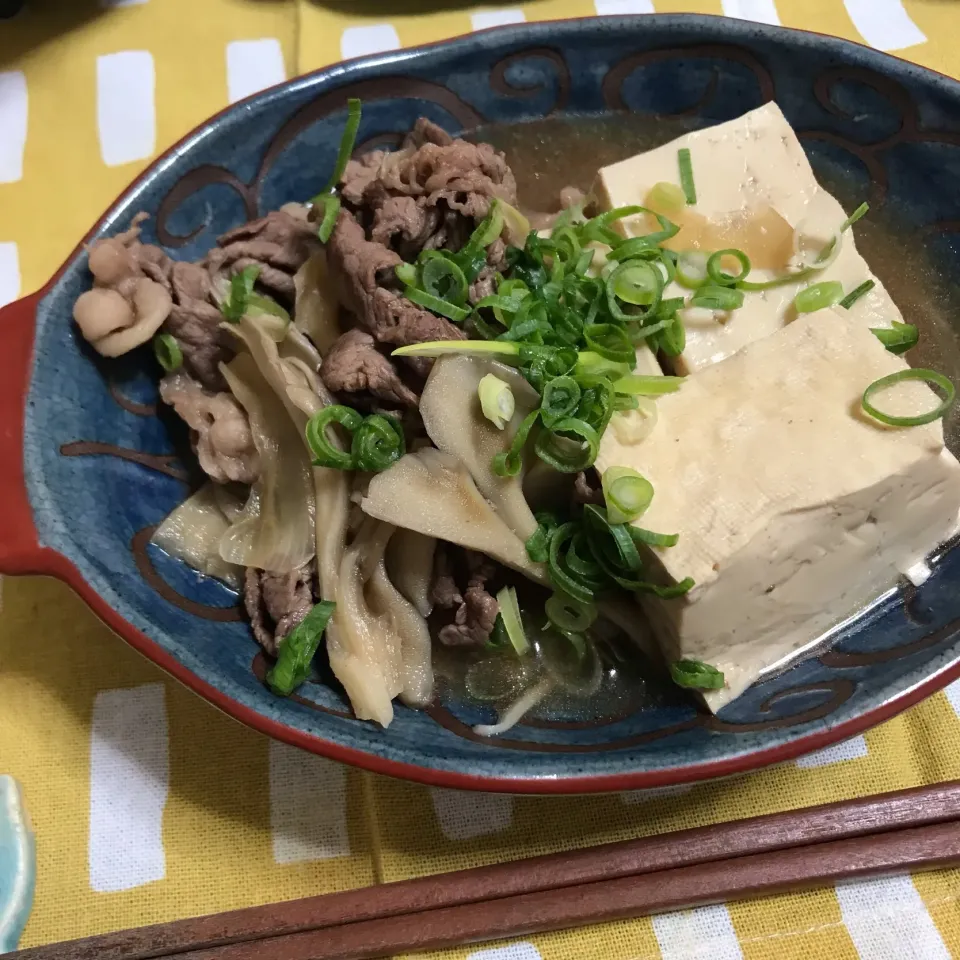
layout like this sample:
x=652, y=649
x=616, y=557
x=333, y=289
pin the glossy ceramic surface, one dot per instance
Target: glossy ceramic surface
x=101, y=467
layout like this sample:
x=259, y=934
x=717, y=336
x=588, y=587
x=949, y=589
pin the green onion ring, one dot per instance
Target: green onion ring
x=442, y=278
x=717, y=298
x=685, y=162
x=818, y=296
x=549, y=445
x=569, y=613
x=561, y=396
x=324, y=453
x=610, y=342
x=559, y=575
x=626, y=493
x=509, y=462
x=331, y=210
x=347, y=140
x=168, y=352
x=450, y=310
x=920, y=373
x=651, y=539
x=718, y=276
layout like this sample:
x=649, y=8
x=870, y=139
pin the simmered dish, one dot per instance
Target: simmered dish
x=436, y=431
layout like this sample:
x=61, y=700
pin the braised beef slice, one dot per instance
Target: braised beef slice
x=353, y=364
x=276, y=603
x=475, y=606
x=385, y=313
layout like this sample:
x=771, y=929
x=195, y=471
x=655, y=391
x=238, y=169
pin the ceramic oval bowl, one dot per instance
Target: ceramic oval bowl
x=88, y=468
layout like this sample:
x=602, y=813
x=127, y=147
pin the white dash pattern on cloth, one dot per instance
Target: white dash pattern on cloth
x=9, y=273
x=13, y=124
x=852, y=749
x=888, y=920
x=513, y=951
x=463, y=816
x=953, y=696
x=129, y=784
x=694, y=934
x=610, y=8
x=126, y=111
x=373, y=38
x=252, y=66
x=760, y=11
x=308, y=806
x=496, y=18
x=884, y=24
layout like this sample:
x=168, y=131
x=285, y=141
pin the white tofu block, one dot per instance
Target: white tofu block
x=756, y=192
x=792, y=505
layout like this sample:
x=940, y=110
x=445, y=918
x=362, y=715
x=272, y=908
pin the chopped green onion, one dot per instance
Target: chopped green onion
x=695, y=675
x=626, y=493
x=377, y=443
x=442, y=278
x=855, y=216
x=627, y=278
x=636, y=282
x=502, y=349
x=592, y=367
x=538, y=543
x=691, y=269
x=568, y=614
x=561, y=397
x=686, y=175
x=717, y=298
x=574, y=585
x=612, y=545
x=818, y=296
x=347, y=140
x=517, y=224
x=568, y=454
x=610, y=342
x=512, y=621
x=718, y=276
x=856, y=293
x=406, y=273
x=636, y=384
x=496, y=400
x=651, y=539
x=509, y=462
x=298, y=649
x=241, y=286
x=899, y=339
x=667, y=593
x=673, y=338
x=667, y=196
x=325, y=454
x=927, y=376
x=444, y=308
x=331, y=210
x=168, y=352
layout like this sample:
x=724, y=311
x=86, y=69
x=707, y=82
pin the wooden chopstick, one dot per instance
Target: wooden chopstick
x=722, y=842
x=752, y=876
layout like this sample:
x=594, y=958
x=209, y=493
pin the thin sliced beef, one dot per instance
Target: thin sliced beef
x=476, y=608
x=195, y=323
x=353, y=364
x=220, y=429
x=359, y=264
x=279, y=244
x=426, y=131
x=277, y=602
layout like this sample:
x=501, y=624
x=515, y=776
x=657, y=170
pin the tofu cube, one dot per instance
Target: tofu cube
x=756, y=192
x=793, y=507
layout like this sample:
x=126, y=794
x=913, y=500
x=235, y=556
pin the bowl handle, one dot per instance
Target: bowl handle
x=19, y=550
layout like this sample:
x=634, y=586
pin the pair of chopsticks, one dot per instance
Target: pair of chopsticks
x=910, y=830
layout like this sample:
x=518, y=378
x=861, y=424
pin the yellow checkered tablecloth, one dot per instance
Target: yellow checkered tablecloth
x=149, y=804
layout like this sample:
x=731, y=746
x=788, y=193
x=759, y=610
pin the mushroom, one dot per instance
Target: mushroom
x=410, y=565
x=450, y=408
x=113, y=325
x=432, y=492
